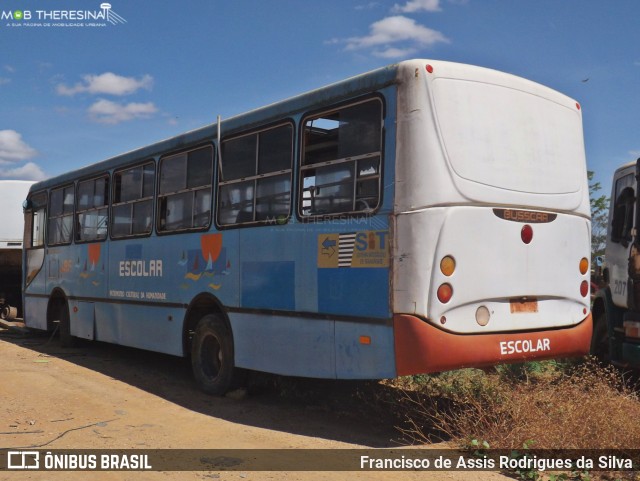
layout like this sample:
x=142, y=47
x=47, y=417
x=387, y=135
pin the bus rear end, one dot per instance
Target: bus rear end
x=492, y=228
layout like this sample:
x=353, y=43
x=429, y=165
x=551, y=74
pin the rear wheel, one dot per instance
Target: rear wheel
x=212, y=357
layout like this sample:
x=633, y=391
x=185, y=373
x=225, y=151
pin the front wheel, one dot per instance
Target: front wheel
x=64, y=324
x=212, y=357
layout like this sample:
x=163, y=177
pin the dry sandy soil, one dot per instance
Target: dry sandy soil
x=99, y=396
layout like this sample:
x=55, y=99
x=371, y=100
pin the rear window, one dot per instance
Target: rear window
x=510, y=139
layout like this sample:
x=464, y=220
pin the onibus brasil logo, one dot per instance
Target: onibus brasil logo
x=104, y=14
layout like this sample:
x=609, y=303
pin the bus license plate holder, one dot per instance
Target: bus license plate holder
x=520, y=306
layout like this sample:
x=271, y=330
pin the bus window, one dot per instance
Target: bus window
x=184, y=199
x=132, y=208
x=622, y=221
x=255, y=180
x=341, y=160
x=61, y=215
x=91, y=216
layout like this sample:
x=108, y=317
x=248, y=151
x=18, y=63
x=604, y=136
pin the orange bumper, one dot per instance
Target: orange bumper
x=421, y=347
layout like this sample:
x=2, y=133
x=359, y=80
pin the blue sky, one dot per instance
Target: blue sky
x=74, y=95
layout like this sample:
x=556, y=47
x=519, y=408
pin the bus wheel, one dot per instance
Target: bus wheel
x=600, y=339
x=212, y=356
x=64, y=326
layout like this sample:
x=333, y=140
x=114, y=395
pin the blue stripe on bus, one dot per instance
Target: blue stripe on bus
x=354, y=291
x=268, y=285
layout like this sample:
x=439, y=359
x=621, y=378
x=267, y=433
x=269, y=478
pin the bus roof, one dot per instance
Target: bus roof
x=323, y=96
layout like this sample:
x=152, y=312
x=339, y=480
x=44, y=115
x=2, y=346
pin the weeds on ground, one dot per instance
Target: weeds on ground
x=554, y=406
x=583, y=406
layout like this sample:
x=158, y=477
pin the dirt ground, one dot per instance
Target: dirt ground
x=99, y=396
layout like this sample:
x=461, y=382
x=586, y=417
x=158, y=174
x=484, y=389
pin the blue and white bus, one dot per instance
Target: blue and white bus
x=421, y=217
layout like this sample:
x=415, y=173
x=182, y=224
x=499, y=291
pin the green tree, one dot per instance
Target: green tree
x=599, y=218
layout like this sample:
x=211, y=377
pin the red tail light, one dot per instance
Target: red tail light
x=526, y=234
x=584, y=288
x=445, y=292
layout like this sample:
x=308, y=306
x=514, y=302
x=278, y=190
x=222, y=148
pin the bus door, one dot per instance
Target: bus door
x=34, y=275
x=619, y=247
x=634, y=254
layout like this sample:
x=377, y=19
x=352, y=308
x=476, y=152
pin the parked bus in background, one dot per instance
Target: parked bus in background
x=421, y=217
x=12, y=196
x=616, y=307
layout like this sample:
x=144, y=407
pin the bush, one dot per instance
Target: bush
x=582, y=406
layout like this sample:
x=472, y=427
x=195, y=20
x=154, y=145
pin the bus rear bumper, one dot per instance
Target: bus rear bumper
x=422, y=348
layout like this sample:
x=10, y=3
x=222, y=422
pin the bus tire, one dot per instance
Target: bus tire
x=600, y=339
x=64, y=326
x=212, y=359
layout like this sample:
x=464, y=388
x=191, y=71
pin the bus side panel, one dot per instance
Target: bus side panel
x=355, y=292
x=148, y=327
x=364, y=351
x=152, y=281
x=267, y=268
x=266, y=343
x=82, y=317
x=35, y=312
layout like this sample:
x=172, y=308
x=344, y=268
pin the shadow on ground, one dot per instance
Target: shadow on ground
x=356, y=412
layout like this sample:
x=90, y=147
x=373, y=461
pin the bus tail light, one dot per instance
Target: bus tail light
x=445, y=292
x=526, y=234
x=584, y=288
x=447, y=265
x=584, y=265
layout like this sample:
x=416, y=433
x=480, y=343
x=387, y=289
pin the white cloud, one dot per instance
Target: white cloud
x=13, y=148
x=367, y=6
x=393, y=52
x=108, y=112
x=413, y=6
x=107, y=83
x=393, y=30
x=28, y=171
x=4, y=81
